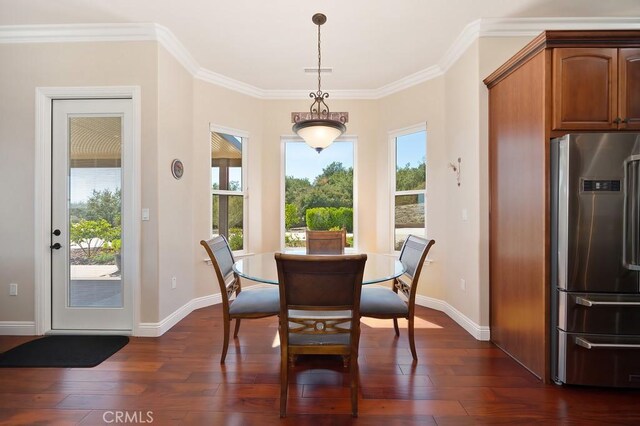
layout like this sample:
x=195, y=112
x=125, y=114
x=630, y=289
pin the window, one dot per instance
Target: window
x=318, y=192
x=409, y=184
x=228, y=188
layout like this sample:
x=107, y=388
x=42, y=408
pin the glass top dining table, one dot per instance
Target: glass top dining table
x=262, y=267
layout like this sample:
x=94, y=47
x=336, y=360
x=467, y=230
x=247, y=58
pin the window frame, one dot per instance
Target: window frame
x=244, y=136
x=393, y=136
x=344, y=138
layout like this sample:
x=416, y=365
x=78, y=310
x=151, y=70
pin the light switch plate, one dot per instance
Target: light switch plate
x=145, y=214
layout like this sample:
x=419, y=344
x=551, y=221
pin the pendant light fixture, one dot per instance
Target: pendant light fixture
x=319, y=127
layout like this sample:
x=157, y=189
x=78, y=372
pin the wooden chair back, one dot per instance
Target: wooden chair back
x=254, y=303
x=320, y=312
x=413, y=254
x=222, y=259
x=326, y=242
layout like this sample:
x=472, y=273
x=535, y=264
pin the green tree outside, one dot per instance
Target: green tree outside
x=95, y=226
x=105, y=205
x=411, y=178
x=90, y=235
x=332, y=188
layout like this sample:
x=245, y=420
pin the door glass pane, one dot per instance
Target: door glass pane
x=409, y=218
x=95, y=209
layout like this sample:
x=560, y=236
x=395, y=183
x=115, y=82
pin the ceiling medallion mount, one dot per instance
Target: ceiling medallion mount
x=319, y=127
x=319, y=18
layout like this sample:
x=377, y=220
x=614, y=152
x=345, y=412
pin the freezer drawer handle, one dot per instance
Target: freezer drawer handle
x=631, y=214
x=589, y=303
x=588, y=345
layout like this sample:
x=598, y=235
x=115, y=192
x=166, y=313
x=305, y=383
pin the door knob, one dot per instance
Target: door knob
x=617, y=120
x=56, y=232
x=56, y=246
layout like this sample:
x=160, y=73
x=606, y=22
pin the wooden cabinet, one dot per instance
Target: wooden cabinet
x=585, y=88
x=596, y=88
x=629, y=88
x=561, y=82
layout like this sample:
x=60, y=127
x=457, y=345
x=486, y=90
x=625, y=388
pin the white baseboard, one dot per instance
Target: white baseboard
x=480, y=332
x=156, y=329
x=150, y=329
x=17, y=328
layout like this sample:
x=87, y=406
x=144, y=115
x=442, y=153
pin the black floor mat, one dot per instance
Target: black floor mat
x=63, y=351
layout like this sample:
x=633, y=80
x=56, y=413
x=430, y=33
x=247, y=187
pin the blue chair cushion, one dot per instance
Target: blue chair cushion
x=342, y=339
x=258, y=300
x=377, y=300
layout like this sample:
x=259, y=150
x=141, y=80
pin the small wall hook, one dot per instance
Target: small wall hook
x=456, y=169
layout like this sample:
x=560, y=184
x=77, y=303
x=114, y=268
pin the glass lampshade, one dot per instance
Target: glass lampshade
x=319, y=134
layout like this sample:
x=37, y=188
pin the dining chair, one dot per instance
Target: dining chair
x=319, y=313
x=383, y=302
x=250, y=303
x=326, y=242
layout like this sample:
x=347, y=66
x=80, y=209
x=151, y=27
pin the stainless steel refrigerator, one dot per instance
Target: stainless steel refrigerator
x=595, y=259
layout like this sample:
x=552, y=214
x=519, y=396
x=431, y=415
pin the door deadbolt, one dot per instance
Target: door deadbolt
x=56, y=232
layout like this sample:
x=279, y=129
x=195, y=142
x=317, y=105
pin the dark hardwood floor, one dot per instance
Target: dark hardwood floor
x=177, y=379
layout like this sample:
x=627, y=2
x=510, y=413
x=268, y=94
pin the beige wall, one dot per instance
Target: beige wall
x=176, y=113
x=416, y=106
x=175, y=197
x=463, y=261
x=25, y=67
x=467, y=137
x=216, y=105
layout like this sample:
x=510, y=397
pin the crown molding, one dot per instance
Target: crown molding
x=175, y=47
x=485, y=27
x=531, y=27
x=77, y=33
x=230, y=83
x=408, y=81
x=469, y=34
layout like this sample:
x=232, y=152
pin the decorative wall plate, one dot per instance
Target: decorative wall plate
x=177, y=168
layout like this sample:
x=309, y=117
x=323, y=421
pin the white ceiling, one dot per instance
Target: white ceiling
x=267, y=43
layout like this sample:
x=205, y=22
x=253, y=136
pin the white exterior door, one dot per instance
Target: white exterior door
x=91, y=215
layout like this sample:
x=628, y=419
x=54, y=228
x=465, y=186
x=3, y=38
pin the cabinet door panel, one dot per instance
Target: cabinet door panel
x=629, y=88
x=584, y=88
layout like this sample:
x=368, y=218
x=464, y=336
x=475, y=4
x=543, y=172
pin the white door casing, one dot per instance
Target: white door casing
x=130, y=199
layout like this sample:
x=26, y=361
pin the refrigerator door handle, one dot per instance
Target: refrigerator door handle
x=631, y=214
x=589, y=303
x=580, y=341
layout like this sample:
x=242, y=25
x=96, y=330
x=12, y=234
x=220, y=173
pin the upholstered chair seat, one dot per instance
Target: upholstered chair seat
x=256, y=300
x=376, y=300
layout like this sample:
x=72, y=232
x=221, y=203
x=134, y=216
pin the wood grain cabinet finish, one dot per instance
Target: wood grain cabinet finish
x=596, y=89
x=629, y=88
x=585, y=88
x=561, y=82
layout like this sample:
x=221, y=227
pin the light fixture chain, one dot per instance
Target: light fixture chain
x=319, y=60
x=319, y=127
